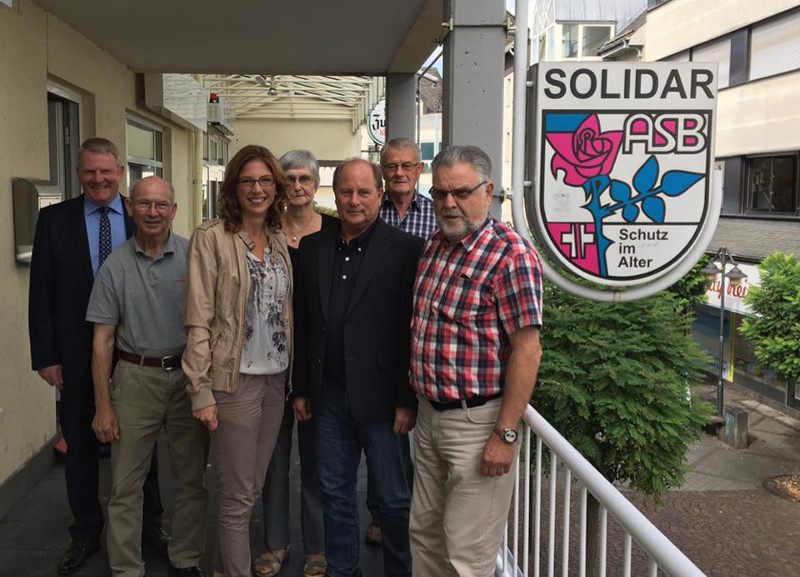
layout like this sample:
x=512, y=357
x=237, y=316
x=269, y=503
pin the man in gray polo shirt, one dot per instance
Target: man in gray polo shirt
x=137, y=304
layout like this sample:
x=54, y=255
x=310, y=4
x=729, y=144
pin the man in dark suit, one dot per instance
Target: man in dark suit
x=72, y=240
x=353, y=287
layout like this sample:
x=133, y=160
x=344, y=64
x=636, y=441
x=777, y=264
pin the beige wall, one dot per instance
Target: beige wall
x=327, y=140
x=755, y=117
x=33, y=47
x=28, y=419
x=752, y=117
x=680, y=24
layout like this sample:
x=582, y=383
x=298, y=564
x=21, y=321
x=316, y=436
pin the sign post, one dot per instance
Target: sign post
x=622, y=169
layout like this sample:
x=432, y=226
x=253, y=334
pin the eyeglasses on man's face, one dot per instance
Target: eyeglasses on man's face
x=406, y=166
x=145, y=205
x=458, y=194
x=250, y=183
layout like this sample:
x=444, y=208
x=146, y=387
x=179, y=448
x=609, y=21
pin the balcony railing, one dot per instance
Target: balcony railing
x=578, y=479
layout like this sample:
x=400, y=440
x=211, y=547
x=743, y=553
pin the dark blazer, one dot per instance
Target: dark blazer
x=377, y=332
x=60, y=284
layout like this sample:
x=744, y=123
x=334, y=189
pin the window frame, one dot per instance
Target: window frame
x=748, y=188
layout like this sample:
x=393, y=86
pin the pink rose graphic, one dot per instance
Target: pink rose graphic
x=585, y=153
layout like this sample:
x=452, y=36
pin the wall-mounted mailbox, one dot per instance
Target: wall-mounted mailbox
x=30, y=196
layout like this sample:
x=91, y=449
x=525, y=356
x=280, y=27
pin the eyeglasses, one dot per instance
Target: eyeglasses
x=144, y=205
x=459, y=193
x=303, y=179
x=250, y=183
x=406, y=166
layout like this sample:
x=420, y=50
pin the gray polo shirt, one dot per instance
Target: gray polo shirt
x=143, y=298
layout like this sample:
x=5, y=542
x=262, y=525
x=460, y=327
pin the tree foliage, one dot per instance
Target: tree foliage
x=775, y=332
x=614, y=381
x=691, y=287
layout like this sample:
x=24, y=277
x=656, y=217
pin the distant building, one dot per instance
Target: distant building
x=757, y=46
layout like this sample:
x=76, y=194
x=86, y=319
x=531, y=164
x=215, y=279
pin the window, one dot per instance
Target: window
x=583, y=40
x=426, y=150
x=569, y=40
x=593, y=38
x=772, y=183
x=775, y=46
x=145, y=151
x=63, y=143
x=717, y=51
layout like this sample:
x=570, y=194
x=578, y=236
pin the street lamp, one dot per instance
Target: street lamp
x=719, y=267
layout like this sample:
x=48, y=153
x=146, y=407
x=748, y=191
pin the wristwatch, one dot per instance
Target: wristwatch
x=508, y=436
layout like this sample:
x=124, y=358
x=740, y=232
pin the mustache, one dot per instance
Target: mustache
x=452, y=212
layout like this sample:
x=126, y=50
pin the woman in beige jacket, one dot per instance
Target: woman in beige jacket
x=239, y=351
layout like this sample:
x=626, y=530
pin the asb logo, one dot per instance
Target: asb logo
x=624, y=160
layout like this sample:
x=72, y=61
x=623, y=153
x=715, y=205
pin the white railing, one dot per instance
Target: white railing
x=568, y=464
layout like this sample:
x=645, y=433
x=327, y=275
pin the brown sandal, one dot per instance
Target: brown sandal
x=315, y=566
x=269, y=563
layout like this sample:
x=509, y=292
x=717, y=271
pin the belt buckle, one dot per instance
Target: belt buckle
x=166, y=368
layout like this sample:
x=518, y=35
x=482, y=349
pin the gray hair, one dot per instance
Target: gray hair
x=137, y=183
x=471, y=155
x=99, y=145
x=376, y=172
x=400, y=143
x=298, y=159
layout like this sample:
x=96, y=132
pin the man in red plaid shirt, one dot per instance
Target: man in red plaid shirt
x=474, y=358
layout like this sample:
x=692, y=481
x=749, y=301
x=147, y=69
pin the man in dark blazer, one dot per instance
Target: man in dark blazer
x=67, y=253
x=353, y=288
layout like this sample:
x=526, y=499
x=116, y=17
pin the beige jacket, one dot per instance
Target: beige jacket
x=218, y=283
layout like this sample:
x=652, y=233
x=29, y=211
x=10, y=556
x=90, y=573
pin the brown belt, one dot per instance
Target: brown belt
x=167, y=363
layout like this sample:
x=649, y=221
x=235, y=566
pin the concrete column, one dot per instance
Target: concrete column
x=473, y=80
x=401, y=106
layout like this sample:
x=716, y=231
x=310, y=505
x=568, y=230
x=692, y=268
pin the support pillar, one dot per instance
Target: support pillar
x=401, y=106
x=473, y=81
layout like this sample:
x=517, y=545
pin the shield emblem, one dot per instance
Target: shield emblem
x=624, y=191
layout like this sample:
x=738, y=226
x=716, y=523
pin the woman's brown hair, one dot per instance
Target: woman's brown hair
x=229, y=210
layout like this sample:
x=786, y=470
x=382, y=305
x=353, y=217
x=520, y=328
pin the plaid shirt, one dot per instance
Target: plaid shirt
x=468, y=298
x=419, y=220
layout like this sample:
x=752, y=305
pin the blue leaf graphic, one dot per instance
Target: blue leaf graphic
x=655, y=208
x=676, y=182
x=630, y=212
x=620, y=191
x=646, y=176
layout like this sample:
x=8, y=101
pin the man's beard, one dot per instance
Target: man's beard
x=455, y=230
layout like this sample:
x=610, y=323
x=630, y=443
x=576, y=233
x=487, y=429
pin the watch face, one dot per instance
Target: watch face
x=509, y=435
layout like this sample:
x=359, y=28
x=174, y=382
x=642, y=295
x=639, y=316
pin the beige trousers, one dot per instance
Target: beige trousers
x=457, y=514
x=249, y=422
x=145, y=399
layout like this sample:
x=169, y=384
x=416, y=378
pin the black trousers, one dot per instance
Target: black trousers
x=75, y=413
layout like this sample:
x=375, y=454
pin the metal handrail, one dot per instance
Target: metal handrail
x=659, y=548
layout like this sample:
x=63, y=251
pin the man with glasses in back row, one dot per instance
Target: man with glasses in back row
x=474, y=358
x=403, y=206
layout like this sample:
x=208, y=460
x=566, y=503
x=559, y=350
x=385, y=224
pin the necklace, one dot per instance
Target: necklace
x=301, y=230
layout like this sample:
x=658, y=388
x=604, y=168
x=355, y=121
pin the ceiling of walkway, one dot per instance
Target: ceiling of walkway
x=298, y=96
x=306, y=37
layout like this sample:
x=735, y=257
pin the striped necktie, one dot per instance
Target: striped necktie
x=105, y=236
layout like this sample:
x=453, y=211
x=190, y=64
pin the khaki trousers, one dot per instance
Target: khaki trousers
x=145, y=399
x=457, y=514
x=249, y=422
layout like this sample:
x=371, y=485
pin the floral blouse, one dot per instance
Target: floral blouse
x=265, y=351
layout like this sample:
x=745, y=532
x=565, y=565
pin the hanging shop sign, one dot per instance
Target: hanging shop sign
x=734, y=295
x=622, y=166
x=376, y=123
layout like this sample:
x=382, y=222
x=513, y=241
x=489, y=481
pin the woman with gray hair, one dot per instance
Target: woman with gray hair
x=299, y=220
